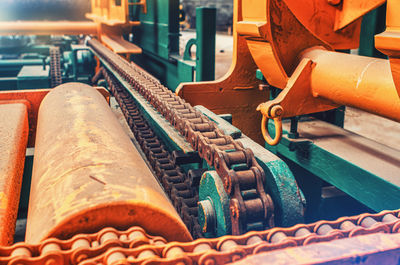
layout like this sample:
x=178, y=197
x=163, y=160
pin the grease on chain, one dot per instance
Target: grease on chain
x=182, y=190
x=237, y=166
x=135, y=247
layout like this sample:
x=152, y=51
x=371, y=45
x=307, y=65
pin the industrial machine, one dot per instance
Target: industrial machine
x=112, y=154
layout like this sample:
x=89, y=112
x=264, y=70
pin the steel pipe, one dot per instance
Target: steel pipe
x=87, y=174
x=47, y=28
x=6, y=64
x=14, y=130
x=361, y=82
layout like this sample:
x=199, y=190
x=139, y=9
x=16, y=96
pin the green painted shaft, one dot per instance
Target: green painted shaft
x=205, y=48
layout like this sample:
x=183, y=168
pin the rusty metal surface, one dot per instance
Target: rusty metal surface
x=321, y=19
x=88, y=175
x=135, y=246
x=236, y=165
x=32, y=99
x=349, y=11
x=181, y=187
x=14, y=131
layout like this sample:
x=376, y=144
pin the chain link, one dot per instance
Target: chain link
x=237, y=166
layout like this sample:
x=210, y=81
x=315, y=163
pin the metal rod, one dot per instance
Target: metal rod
x=47, y=28
x=87, y=174
x=361, y=82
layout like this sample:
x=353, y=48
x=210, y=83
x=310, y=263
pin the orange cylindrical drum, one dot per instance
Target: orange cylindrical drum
x=361, y=82
x=87, y=174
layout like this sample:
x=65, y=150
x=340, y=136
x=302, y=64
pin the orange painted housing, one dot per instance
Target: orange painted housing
x=14, y=132
x=88, y=175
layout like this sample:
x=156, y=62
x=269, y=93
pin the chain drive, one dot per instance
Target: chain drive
x=237, y=166
x=181, y=188
x=55, y=67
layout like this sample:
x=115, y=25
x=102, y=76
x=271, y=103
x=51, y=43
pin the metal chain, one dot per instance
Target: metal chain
x=77, y=249
x=136, y=247
x=181, y=188
x=237, y=166
x=55, y=67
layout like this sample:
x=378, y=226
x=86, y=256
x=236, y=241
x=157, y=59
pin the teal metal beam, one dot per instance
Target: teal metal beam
x=205, y=43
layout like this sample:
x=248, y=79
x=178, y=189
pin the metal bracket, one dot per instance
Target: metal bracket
x=295, y=99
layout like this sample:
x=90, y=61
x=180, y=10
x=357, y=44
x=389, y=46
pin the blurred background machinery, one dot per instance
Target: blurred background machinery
x=121, y=147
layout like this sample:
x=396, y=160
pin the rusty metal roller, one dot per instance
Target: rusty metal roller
x=88, y=175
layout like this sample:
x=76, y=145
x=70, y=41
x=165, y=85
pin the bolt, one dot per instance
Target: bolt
x=276, y=111
x=262, y=87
